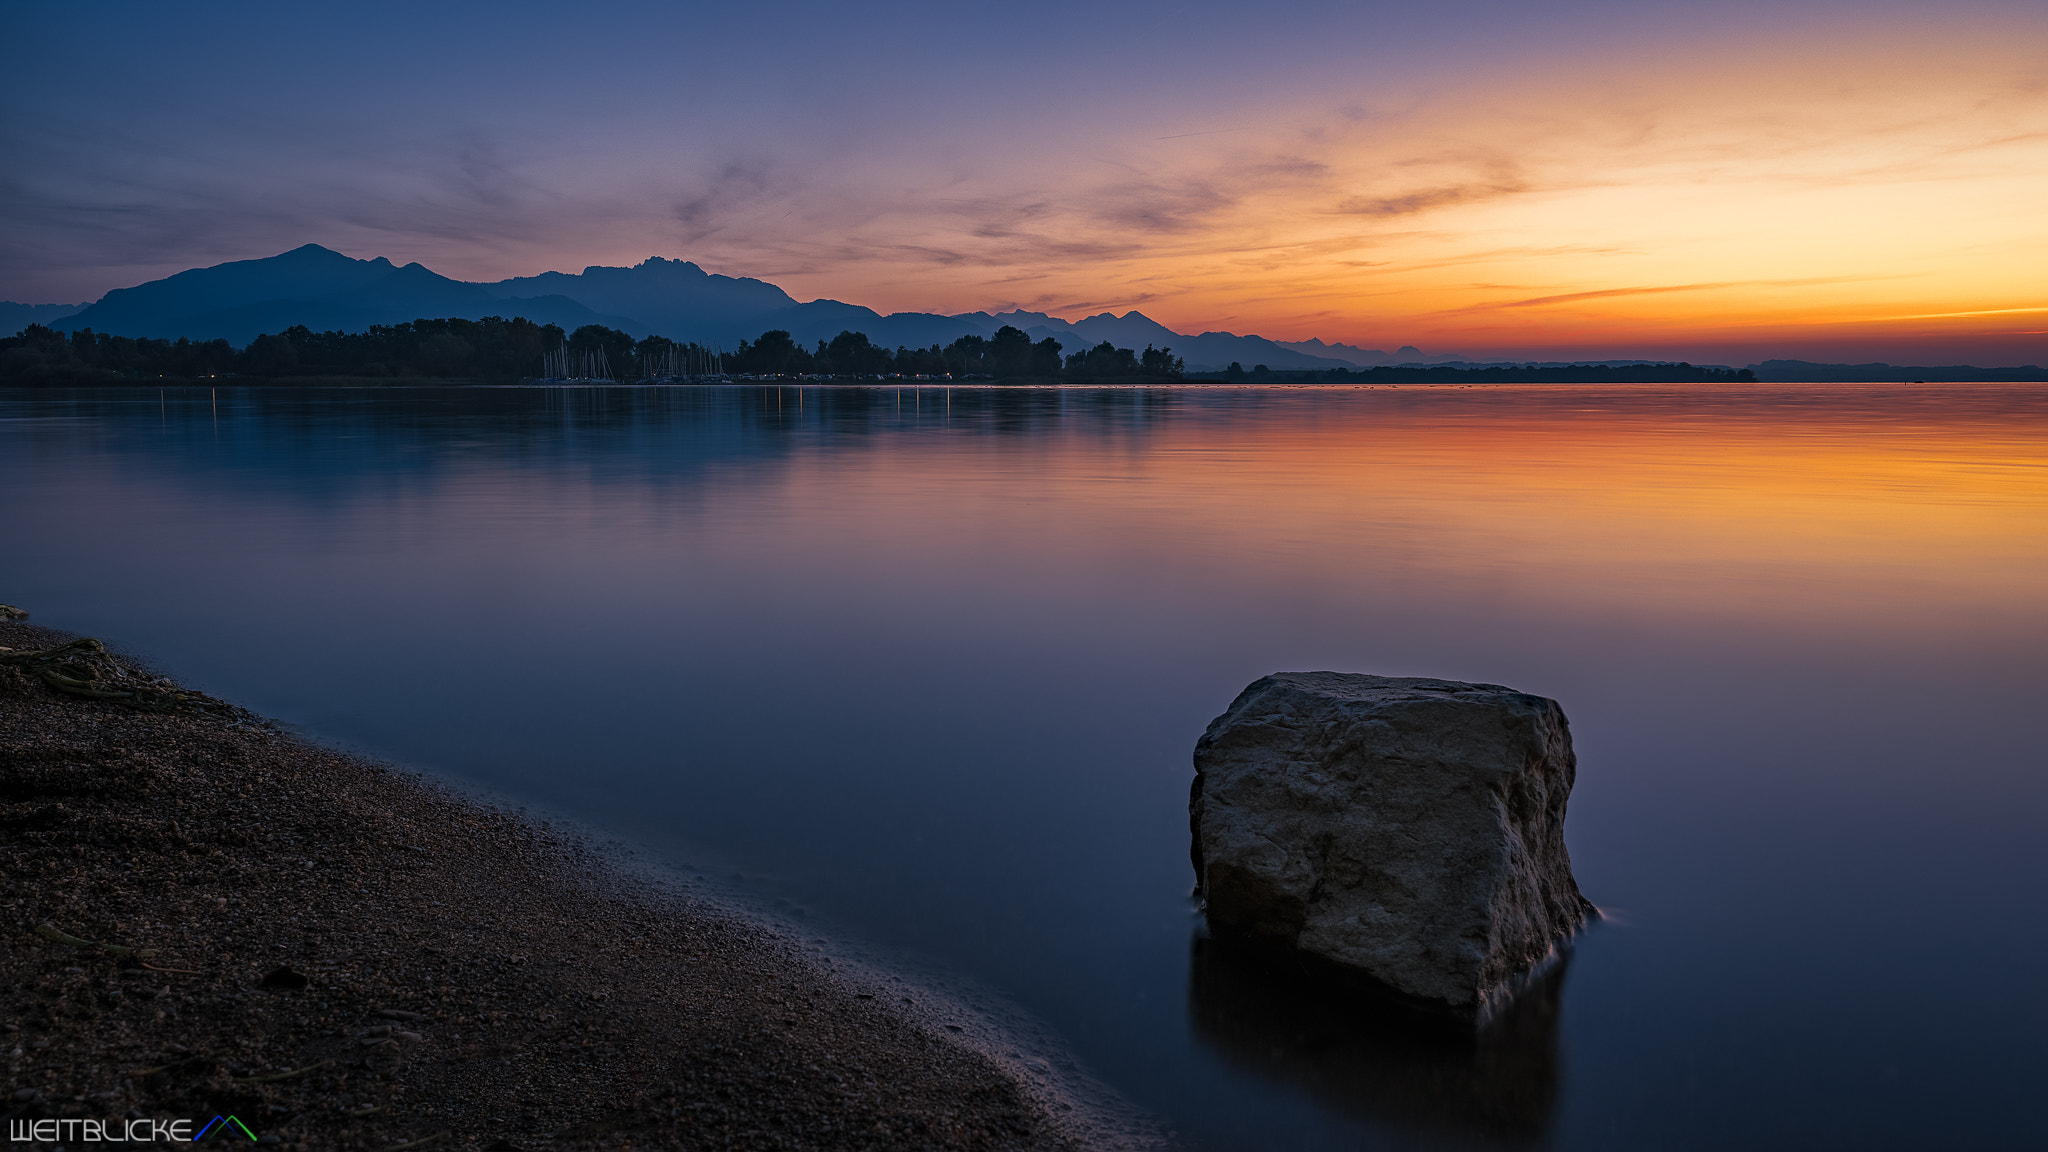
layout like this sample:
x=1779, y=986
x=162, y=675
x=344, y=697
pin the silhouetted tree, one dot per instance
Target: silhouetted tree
x=775, y=353
x=446, y=354
x=495, y=348
x=853, y=354
x=491, y=348
x=967, y=356
x=921, y=361
x=273, y=355
x=1160, y=362
x=1008, y=352
x=649, y=353
x=617, y=346
x=1105, y=359
x=1045, y=358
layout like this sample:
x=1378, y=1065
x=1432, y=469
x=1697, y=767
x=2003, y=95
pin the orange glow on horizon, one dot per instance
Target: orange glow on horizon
x=1886, y=195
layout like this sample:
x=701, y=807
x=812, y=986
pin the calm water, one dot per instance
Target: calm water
x=927, y=669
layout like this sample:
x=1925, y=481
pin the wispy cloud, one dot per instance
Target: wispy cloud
x=1972, y=312
x=1209, y=132
x=1603, y=293
x=1422, y=200
x=1661, y=289
x=735, y=184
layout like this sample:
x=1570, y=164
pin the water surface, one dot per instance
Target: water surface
x=926, y=667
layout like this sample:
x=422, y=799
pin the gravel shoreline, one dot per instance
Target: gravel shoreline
x=343, y=955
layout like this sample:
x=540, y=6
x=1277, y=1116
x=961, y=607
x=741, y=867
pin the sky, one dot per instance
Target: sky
x=1717, y=180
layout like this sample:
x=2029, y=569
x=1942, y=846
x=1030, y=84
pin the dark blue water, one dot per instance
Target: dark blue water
x=927, y=668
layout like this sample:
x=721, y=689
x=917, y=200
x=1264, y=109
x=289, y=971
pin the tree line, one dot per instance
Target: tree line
x=1008, y=354
x=499, y=350
x=493, y=348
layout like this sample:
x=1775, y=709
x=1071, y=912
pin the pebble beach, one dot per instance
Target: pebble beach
x=209, y=917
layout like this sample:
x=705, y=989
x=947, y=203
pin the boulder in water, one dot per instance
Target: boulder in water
x=1409, y=829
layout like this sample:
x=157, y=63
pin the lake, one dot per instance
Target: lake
x=924, y=668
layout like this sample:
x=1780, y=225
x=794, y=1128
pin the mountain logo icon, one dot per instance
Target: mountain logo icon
x=225, y=1124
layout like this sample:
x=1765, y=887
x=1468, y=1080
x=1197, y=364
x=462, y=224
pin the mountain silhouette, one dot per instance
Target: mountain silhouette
x=1037, y=325
x=1130, y=330
x=14, y=316
x=824, y=319
x=672, y=297
x=310, y=285
x=1349, y=353
x=160, y=307
x=325, y=290
x=1218, y=349
x=1206, y=352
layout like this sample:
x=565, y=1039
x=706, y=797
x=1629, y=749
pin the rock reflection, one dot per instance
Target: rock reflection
x=1357, y=1050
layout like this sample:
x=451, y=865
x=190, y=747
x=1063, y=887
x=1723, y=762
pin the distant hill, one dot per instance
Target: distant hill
x=1214, y=350
x=307, y=273
x=672, y=297
x=1368, y=357
x=14, y=317
x=1349, y=354
x=1806, y=371
x=311, y=285
x=1207, y=352
x=824, y=319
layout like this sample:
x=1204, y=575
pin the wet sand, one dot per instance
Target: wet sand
x=344, y=955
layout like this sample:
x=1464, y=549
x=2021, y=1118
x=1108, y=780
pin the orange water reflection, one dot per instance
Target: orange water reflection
x=1808, y=506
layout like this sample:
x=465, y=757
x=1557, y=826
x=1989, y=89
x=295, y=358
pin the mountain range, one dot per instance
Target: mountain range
x=325, y=290
x=14, y=317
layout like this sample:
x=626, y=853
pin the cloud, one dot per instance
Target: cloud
x=1972, y=312
x=1208, y=132
x=737, y=184
x=1569, y=297
x=1661, y=289
x=1172, y=206
x=1425, y=199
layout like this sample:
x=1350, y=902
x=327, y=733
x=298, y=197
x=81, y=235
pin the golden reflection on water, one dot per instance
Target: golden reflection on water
x=1740, y=504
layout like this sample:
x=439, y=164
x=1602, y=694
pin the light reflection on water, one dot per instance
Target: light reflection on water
x=930, y=665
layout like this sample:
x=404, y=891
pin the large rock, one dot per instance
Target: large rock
x=1407, y=828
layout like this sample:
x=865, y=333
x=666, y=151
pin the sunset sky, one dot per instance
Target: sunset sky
x=1710, y=180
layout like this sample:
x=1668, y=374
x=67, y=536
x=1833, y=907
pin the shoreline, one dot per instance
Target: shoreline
x=342, y=954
